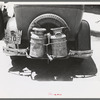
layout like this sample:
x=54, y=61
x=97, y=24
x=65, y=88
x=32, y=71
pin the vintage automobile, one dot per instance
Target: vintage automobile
x=51, y=40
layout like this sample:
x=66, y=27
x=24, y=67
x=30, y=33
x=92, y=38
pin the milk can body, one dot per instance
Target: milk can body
x=37, y=47
x=59, y=46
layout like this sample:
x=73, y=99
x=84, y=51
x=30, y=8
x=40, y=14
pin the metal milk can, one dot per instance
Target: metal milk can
x=59, y=43
x=37, y=42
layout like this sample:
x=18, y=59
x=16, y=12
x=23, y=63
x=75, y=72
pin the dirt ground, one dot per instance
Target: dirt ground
x=16, y=86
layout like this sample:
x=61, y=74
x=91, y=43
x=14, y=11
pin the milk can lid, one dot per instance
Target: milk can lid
x=58, y=37
x=56, y=30
x=39, y=29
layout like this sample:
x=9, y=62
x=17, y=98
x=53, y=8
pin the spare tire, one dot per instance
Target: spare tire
x=47, y=21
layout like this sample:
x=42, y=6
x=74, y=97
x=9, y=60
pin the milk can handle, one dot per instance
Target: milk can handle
x=58, y=34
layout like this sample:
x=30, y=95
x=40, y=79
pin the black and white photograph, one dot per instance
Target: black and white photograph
x=49, y=50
